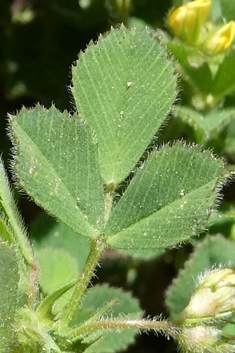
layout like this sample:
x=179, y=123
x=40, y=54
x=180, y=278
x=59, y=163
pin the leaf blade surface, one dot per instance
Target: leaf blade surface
x=56, y=163
x=168, y=200
x=123, y=87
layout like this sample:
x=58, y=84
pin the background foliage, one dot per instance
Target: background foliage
x=38, y=42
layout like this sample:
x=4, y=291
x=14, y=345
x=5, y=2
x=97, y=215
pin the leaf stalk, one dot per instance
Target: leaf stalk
x=165, y=327
x=97, y=247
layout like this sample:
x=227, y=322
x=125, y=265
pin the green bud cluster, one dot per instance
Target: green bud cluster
x=208, y=310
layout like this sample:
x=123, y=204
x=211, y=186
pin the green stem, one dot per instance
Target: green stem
x=15, y=222
x=165, y=327
x=9, y=208
x=97, y=247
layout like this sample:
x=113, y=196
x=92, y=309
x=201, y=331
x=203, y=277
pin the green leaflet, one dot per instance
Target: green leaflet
x=9, y=279
x=213, y=251
x=194, y=69
x=123, y=87
x=168, y=201
x=56, y=163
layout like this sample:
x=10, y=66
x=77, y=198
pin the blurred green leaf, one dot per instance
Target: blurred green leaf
x=126, y=306
x=208, y=123
x=230, y=139
x=228, y=9
x=221, y=220
x=139, y=23
x=46, y=232
x=194, y=68
x=216, y=13
x=57, y=268
x=224, y=81
x=168, y=201
x=123, y=87
x=188, y=56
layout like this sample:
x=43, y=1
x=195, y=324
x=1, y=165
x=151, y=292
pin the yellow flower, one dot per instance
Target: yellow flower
x=220, y=40
x=186, y=21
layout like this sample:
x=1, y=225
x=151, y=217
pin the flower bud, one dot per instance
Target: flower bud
x=220, y=40
x=213, y=299
x=204, y=339
x=186, y=21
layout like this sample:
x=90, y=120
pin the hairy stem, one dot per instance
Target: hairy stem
x=164, y=327
x=19, y=235
x=97, y=247
x=9, y=208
